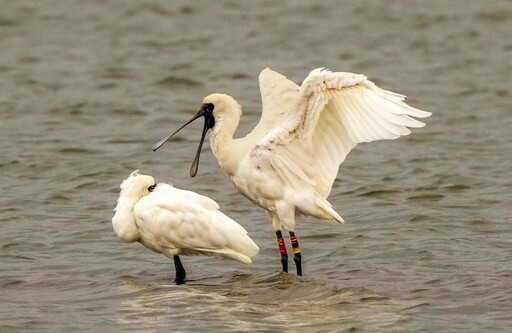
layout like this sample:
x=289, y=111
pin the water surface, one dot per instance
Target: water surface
x=87, y=88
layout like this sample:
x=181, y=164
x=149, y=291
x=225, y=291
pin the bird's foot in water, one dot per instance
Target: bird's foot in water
x=181, y=275
x=179, y=281
x=297, y=258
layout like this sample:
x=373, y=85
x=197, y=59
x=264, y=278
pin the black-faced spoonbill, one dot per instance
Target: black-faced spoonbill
x=288, y=163
x=175, y=222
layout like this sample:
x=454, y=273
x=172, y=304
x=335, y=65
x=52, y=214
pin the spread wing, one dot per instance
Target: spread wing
x=332, y=113
x=277, y=96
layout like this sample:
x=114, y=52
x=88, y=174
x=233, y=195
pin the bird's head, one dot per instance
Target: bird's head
x=223, y=106
x=137, y=186
x=215, y=108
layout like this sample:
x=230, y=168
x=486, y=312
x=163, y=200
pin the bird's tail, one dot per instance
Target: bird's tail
x=239, y=257
x=329, y=212
x=228, y=253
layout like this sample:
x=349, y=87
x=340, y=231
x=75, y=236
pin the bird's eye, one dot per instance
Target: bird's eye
x=151, y=188
x=208, y=107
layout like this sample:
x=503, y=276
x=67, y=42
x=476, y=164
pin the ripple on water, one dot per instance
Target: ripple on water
x=172, y=81
x=276, y=301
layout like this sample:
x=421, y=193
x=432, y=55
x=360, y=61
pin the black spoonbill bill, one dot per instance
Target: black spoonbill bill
x=289, y=161
x=176, y=222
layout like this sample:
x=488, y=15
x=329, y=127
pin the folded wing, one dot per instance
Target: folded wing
x=191, y=222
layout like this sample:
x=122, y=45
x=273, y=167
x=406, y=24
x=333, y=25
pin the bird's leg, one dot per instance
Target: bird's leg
x=180, y=271
x=282, y=250
x=297, y=257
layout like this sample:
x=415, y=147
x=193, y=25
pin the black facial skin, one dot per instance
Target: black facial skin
x=205, y=111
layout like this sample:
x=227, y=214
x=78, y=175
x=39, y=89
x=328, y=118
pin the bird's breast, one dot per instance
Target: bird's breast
x=257, y=186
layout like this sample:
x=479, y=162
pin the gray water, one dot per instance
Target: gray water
x=87, y=87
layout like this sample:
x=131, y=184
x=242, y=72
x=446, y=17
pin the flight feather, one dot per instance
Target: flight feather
x=331, y=113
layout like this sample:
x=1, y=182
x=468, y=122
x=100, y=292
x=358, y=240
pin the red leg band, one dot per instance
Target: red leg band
x=282, y=246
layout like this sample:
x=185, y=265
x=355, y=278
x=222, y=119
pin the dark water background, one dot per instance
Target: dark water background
x=87, y=87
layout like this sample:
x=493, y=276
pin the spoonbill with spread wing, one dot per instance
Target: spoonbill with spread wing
x=172, y=222
x=288, y=163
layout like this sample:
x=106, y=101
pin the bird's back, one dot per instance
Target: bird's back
x=174, y=221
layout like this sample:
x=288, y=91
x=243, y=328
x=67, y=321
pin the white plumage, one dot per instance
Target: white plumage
x=288, y=163
x=176, y=222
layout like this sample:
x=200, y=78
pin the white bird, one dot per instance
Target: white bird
x=288, y=163
x=176, y=222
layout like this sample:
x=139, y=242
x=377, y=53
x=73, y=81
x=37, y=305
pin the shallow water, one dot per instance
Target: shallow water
x=87, y=88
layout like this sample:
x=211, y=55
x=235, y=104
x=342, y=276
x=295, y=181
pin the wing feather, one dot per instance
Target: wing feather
x=171, y=218
x=277, y=96
x=377, y=124
x=330, y=115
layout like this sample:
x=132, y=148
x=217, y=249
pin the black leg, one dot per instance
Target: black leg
x=282, y=250
x=180, y=271
x=297, y=257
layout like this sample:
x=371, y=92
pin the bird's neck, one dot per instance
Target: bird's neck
x=223, y=145
x=124, y=219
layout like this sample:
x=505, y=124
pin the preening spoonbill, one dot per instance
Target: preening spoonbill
x=172, y=222
x=288, y=163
